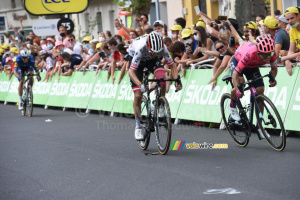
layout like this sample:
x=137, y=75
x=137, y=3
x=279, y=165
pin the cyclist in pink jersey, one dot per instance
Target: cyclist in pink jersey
x=246, y=60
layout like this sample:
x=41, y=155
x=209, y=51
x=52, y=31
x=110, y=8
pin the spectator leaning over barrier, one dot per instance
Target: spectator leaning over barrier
x=60, y=47
x=190, y=47
x=58, y=61
x=74, y=59
x=112, y=45
x=6, y=54
x=86, y=47
x=47, y=62
x=293, y=17
x=105, y=57
x=158, y=27
x=203, y=41
x=175, y=31
x=75, y=46
x=282, y=39
x=125, y=56
x=94, y=59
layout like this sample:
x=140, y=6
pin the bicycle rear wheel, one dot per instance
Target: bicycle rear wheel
x=145, y=112
x=236, y=129
x=163, y=126
x=29, y=101
x=270, y=123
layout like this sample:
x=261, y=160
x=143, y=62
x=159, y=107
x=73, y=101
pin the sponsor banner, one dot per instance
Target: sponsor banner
x=50, y=7
x=293, y=101
x=124, y=97
x=4, y=86
x=12, y=95
x=59, y=90
x=46, y=27
x=200, y=102
x=104, y=93
x=41, y=91
x=80, y=90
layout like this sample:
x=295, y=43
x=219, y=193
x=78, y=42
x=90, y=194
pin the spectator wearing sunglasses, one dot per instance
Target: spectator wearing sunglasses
x=143, y=20
x=74, y=59
x=282, y=39
x=75, y=46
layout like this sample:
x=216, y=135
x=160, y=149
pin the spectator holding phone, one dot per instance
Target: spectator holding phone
x=143, y=20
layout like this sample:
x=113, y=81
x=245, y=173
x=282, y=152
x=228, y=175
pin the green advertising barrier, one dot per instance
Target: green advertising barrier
x=59, y=90
x=12, y=95
x=124, y=97
x=80, y=90
x=291, y=120
x=41, y=90
x=104, y=93
x=4, y=86
x=200, y=102
x=282, y=93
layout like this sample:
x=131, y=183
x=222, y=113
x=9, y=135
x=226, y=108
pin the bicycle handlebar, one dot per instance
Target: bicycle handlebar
x=177, y=80
x=241, y=86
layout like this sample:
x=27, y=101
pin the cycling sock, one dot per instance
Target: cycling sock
x=232, y=103
x=20, y=98
x=138, y=122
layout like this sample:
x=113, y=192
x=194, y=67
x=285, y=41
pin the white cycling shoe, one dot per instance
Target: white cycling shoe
x=138, y=134
x=234, y=114
x=21, y=106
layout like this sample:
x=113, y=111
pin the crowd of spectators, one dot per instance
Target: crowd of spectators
x=216, y=40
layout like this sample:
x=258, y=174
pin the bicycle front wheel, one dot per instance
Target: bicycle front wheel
x=163, y=126
x=235, y=129
x=270, y=123
x=145, y=112
x=29, y=101
x=24, y=103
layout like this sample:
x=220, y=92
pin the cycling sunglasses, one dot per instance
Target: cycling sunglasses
x=221, y=47
x=266, y=55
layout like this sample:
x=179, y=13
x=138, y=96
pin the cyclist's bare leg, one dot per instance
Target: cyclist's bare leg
x=20, y=88
x=30, y=79
x=259, y=91
x=138, y=95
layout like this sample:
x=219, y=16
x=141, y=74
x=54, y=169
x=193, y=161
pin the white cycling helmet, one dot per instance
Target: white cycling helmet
x=155, y=43
x=25, y=53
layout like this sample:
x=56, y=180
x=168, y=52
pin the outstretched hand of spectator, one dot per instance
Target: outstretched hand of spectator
x=212, y=80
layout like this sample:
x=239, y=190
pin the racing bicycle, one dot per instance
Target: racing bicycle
x=156, y=115
x=268, y=119
x=27, y=96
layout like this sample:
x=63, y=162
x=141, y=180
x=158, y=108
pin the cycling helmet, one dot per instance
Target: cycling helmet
x=265, y=44
x=155, y=43
x=25, y=53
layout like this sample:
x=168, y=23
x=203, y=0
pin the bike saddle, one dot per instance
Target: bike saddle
x=226, y=78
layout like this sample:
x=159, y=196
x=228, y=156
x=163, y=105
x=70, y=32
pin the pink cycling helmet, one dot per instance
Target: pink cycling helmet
x=265, y=44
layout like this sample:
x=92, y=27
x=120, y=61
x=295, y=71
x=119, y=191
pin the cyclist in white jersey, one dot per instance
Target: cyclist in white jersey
x=147, y=51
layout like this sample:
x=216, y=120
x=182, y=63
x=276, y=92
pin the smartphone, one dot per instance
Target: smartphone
x=231, y=42
x=197, y=9
x=222, y=17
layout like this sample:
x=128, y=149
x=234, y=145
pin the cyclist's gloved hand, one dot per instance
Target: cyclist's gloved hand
x=143, y=89
x=272, y=84
x=239, y=94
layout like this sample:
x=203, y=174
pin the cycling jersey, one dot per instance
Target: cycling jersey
x=19, y=64
x=138, y=50
x=247, y=57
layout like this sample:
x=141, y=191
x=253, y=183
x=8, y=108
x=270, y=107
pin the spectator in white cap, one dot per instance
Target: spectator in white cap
x=282, y=22
x=158, y=27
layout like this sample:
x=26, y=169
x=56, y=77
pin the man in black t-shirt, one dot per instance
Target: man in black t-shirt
x=74, y=59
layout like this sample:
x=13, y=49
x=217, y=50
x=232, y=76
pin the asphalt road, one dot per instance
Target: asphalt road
x=96, y=157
